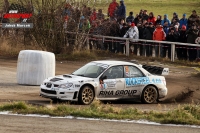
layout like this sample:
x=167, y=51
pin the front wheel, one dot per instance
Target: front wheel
x=149, y=95
x=86, y=95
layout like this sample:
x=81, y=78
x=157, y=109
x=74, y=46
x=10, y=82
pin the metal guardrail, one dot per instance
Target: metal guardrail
x=127, y=42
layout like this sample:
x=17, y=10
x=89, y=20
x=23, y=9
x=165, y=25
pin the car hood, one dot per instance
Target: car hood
x=67, y=78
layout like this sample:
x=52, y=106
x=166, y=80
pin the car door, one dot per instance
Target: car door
x=135, y=81
x=111, y=81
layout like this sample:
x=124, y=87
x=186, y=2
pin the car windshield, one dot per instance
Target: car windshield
x=91, y=70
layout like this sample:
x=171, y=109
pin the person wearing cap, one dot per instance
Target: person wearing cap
x=111, y=8
x=148, y=35
x=165, y=20
x=133, y=33
x=121, y=14
x=152, y=18
x=183, y=21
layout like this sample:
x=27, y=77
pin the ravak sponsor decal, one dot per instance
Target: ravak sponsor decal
x=118, y=93
x=136, y=81
x=141, y=81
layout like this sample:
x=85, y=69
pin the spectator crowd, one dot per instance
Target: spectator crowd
x=143, y=25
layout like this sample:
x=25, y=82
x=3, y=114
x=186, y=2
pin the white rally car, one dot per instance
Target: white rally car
x=106, y=80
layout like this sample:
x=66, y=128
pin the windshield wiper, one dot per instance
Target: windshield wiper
x=80, y=75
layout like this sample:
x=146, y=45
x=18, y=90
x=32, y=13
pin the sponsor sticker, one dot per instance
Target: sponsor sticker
x=141, y=81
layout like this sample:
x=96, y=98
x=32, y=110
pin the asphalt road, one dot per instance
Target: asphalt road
x=25, y=124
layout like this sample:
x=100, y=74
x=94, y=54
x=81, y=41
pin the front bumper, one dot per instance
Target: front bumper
x=56, y=93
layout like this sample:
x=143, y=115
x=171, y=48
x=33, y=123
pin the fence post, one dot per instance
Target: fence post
x=172, y=52
x=127, y=47
x=88, y=43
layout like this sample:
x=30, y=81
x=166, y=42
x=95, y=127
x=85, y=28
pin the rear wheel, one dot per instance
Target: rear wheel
x=149, y=94
x=86, y=95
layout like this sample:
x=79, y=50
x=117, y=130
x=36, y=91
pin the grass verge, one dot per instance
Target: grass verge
x=183, y=114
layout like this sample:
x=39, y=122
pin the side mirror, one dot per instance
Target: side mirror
x=103, y=77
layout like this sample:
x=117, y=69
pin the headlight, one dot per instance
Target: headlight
x=65, y=86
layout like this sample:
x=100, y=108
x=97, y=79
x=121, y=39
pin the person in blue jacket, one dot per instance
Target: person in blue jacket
x=183, y=21
x=121, y=11
x=165, y=20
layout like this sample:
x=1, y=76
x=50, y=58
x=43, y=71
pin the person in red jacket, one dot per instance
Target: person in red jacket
x=158, y=35
x=93, y=16
x=111, y=8
x=152, y=19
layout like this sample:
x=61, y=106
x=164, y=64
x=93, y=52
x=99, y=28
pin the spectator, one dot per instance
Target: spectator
x=152, y=18
x=86, y=25
x=138, y=19
x=182, y=52
x=133, y=33
x=84, y=10
x=122, y=11
x=123, y=31
x=130, y=18
x=141, y=30
x=141, y=12
x=115, y=32
x=165, y=20
x=116, y=12
x=89, y=12
x=148, y=35
x=121, y=23
x=192, y=34
x=93, y=16
x=145, y=16
x=128, y=26
x=175, y=18
x=100, y=15
x=158, y=35
x=183, y=21
x=67, y=10
x=159, y=20
x=193, y=19
x=111, y=9
x=166, y=27
x=172, y=36
x=197, y=41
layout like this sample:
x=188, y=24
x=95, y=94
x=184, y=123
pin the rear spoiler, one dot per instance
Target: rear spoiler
x=156, y=70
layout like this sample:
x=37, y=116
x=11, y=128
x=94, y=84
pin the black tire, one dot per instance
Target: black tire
x=86, y=95
x=149, y=95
